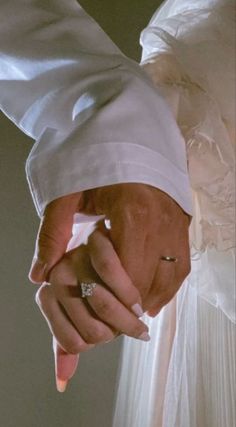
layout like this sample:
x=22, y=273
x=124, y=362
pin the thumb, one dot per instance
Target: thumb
x=53, y=236
x=65, y=366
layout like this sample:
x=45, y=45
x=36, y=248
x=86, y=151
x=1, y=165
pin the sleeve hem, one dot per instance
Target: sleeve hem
x=104, y=164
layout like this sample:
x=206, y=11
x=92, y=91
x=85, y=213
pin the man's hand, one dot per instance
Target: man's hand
x=146, y=224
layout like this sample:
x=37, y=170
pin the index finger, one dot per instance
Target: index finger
x=132, y=237
x=106, y=263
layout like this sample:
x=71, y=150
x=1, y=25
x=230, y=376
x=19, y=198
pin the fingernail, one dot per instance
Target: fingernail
x=61, y=385
x=38, y=271
x=153, y=313
x=144, y=336
x=137, y=309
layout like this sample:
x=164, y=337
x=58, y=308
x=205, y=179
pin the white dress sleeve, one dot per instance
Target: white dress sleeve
x=96, y=116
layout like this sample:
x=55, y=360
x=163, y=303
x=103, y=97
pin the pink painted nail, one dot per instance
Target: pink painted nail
x=137, y=309
x=61, y=385
x=144, y=336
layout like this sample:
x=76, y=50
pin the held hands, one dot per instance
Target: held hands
x=145, y=225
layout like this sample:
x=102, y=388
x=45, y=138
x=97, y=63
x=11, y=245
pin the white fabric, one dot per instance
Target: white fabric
x=65, y=84
x=185, y=376
x=190, y=36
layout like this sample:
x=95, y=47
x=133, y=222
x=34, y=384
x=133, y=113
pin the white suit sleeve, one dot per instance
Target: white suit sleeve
x=95, y=115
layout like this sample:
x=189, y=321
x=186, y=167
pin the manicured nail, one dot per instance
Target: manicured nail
x=137, y=309
x=61, y=385
x=144, y=336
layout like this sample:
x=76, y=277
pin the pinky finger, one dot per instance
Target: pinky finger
x=65, y=366
x=59, y=324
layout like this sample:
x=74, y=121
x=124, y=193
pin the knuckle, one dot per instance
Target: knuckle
x=49, y=233
x=136, y=212
x=167, y=219
x=106, y=265
x=104, y=307
x=41, y=296
x=94, y=336
x=73, y=347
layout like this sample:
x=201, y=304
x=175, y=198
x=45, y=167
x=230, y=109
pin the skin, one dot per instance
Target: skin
x=145, y=224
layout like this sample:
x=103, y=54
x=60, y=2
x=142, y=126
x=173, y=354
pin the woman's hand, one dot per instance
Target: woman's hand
x=76, y=323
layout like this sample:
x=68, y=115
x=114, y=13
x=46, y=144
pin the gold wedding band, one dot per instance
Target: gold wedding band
x=169, y=258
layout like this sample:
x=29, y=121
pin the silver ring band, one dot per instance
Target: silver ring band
x=169, y=258
x=87, y=289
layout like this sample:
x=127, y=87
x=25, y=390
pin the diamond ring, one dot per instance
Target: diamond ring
x=87, y=289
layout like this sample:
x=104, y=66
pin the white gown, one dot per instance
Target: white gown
x=185, y=376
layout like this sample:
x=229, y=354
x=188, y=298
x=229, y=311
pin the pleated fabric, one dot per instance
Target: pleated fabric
x=185, y=376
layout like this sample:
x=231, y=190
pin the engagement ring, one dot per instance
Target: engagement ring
x=87, y=289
